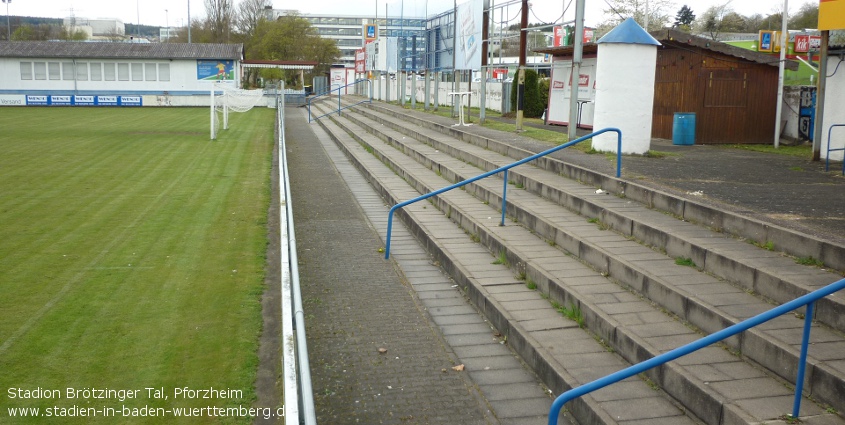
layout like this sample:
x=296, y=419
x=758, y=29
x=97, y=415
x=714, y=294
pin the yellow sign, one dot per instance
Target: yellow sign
x=831, y=14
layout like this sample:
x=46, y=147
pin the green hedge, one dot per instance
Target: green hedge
x=534, y=100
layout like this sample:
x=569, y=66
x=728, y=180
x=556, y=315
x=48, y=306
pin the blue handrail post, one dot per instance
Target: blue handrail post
x=802, y=361
x=827, y=157
x=504, y=198
x=505, y=168
x=389, y=228
x=619, y=154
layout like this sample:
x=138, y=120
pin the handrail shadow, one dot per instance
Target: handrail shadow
x=806, y=300
x=505, y=176
x=326, y=93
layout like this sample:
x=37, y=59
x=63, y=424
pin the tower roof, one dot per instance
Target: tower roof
x=629, y=32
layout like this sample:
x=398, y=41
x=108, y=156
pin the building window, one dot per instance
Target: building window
x=82, y=71
x=96, y=71
x=26, y=70
x=40, y=70
x=137, y=72
x=68, y=71
x=164, y=72
x=54, y=70
x=108, y=72
x=123, y=72
x=150, y=71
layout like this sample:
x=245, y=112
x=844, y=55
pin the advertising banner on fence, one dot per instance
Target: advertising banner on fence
x=69, y=100
x=12, y=100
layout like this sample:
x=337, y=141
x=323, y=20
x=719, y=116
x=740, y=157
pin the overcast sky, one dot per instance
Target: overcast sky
x=175, y=12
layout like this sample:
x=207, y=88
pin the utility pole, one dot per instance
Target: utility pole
x=820, y=95
x=577, y=56
x=520, y=88
x=784, y=39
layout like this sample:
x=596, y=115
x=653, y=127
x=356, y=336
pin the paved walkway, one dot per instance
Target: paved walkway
x=356, y=303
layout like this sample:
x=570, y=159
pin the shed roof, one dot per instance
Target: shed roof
x=670, y=38
x=674, y=38
x=106, y=50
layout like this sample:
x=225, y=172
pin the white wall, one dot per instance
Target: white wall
x=182, y=78
x=834, y=110
x=625, y=76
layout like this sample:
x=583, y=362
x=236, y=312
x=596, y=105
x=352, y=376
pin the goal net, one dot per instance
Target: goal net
x=226, y=99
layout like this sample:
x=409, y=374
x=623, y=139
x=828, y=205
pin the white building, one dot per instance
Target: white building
x=165, y=34
x=128, y=74
x=349, y=32
x=96, y=28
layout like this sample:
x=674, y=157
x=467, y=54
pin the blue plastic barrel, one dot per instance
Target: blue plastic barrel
x=683, y=128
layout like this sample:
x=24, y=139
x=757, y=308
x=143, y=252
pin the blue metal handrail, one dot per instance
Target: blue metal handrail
x=829, y=150
x=808, y=300
x=505, y=170
x=369, y=99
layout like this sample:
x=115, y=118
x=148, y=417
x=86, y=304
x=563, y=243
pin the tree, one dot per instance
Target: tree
x=621, y=9
x=247, y=16
x=39, y=32
x=292, y=38
x=710, y=23
x=684, y=18
x=220, y=19
x=806, y=17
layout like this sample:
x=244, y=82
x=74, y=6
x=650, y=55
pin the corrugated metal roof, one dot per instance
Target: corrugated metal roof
x=104, y=50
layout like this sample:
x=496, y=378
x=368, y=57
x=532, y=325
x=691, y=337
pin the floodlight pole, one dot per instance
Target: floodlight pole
x=8, y=25
x=189, y=21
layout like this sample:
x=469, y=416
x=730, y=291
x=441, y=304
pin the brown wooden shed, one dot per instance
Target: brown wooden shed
x=732, y=91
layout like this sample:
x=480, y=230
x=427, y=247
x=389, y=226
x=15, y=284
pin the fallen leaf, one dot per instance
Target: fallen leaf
x=459, y=368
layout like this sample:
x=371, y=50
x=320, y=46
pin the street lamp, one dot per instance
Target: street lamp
x=8, y=26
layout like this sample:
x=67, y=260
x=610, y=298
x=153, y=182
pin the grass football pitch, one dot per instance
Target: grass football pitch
x=132, y=255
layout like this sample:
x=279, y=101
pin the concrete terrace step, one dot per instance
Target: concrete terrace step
x=635, y=328
x=764, y=272
x=528, y=316
x=706, y=302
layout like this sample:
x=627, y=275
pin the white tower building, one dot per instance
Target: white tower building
x=625, y=70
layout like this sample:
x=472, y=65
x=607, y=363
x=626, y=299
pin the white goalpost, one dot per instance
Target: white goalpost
x=226, y=98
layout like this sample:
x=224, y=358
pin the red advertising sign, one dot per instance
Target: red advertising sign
x=361, y=60
x=588, y=35
x=558, y=36
x=805, y=43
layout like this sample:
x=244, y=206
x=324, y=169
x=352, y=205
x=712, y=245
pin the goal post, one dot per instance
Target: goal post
x=226, y=98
